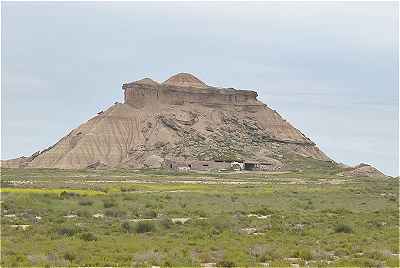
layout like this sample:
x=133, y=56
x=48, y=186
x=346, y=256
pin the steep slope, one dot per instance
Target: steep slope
x=180, y=120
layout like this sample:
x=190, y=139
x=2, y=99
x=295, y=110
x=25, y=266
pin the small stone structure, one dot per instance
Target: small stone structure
x=186, y=165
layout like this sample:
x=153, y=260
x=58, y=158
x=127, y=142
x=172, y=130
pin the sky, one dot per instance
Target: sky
x=329, y=68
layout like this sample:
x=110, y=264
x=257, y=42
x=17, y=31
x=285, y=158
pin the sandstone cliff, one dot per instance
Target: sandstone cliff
x=180, y=119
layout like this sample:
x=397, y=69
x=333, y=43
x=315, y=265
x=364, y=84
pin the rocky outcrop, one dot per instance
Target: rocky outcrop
x=185, y=80
x=20, y=162
x=362, y=170
x=180, y=119
x=14, y=163
x=180, y=90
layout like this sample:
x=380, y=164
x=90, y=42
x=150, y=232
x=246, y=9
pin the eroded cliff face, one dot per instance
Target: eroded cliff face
x=362, y=170
x=180, y=119
x=185, y=91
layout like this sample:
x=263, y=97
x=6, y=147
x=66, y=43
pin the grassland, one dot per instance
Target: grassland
x=310, y=217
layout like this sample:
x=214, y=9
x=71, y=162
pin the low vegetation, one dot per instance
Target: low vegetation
x=343, y=228
x=103, y=218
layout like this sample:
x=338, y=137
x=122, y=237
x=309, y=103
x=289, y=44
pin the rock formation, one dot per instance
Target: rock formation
x=362, y=170
x=181, y=120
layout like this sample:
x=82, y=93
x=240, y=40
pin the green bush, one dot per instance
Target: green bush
x=108, y=203
x=200, y=213
x=221, y=224
x=67, y=231
x=127, y=189
x=304, y=254
x=69, y=256
x=343, y=228
x=366, y=262
x=150, y=214
x=166, y=222
x=377, y=255
x=144, y=227
x=126, y=227
x=85, y=202
x=226, y=263
x=147, y=258
x=271, y=254
x=88, y=237
x=83, y=213
x=65, y=194
x=263, y=211
x=114, y=213
x=150, y=205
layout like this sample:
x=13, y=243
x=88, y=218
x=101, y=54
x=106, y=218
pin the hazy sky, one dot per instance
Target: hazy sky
x=331, y=69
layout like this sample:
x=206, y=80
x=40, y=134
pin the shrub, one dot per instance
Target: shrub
x=147, y=258
x=151, y=214
x=319, y=254
x=167, y=263
x=263, y=211
x=165, y=222
x=343, y=228
x=69, y=256
x=88, y=237
x=304, y=254
x=365, y=262
x=127, y=189
x=200, y=213
x=150, y=205
x=83, y=213
x=126, y=227
x=65, y=194
x=134, y=212
x=108, y=203
x=144, y=227
x=221, y=224
x=270, y=254
x=85, y=202
x=129, y=197
x=67, y=231
x=114, y=213
x=377, y=255
x=225, y=263
x=344, y=251
x=257, y=251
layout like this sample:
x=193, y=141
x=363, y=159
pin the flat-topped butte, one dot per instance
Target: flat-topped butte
x=185, y=88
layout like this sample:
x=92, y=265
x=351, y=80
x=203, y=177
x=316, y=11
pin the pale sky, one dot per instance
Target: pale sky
x=331, y=69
